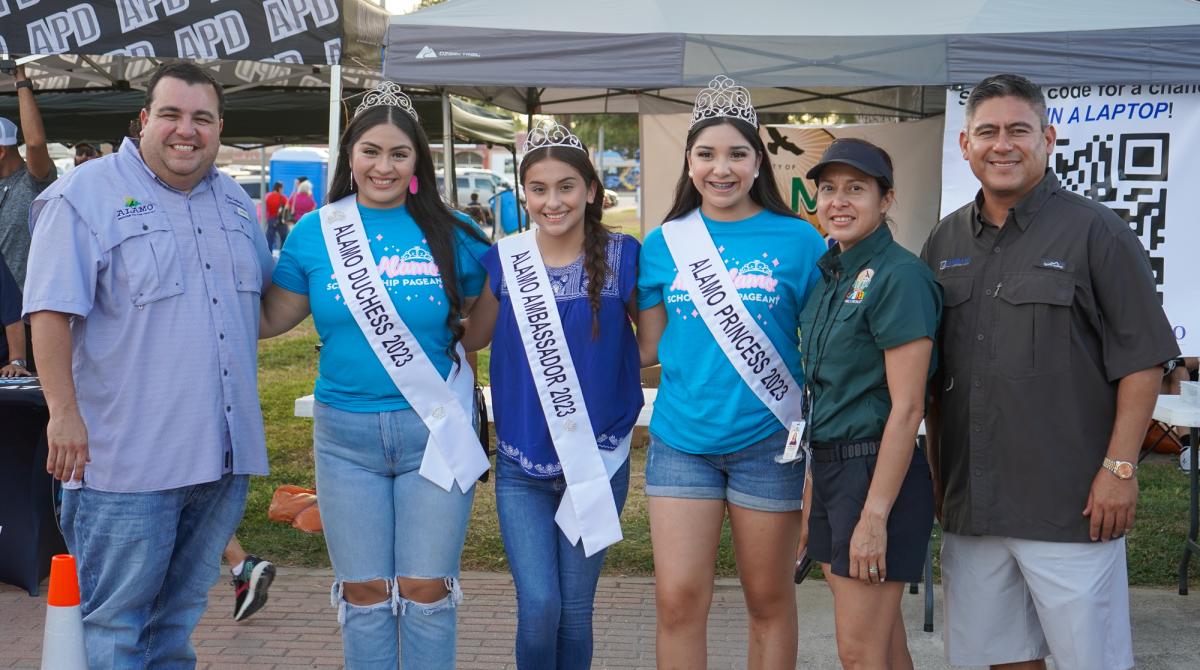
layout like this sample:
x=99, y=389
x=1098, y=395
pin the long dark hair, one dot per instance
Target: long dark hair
x=595, y=233
x=763, y=191
x=436, y=221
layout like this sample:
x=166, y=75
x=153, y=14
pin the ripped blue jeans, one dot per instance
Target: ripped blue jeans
x=383, y=520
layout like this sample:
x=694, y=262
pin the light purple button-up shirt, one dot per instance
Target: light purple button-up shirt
x=165, y=288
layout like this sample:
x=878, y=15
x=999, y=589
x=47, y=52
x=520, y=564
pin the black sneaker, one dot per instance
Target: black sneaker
x=250, y=587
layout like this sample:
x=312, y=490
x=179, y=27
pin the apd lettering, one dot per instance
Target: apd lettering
x=138, y=13
x=286, y=18
x=200, y=40
x=5, y=10
x=53, y=34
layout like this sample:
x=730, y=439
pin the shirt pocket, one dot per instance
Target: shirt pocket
x=958, y=327
x=247, y=272
x=1033, y=323
x=149, y=256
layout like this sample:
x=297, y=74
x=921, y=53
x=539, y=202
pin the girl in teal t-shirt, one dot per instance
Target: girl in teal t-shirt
x=713, y=443
x=394, y=536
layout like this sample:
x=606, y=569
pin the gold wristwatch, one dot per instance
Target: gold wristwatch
x=1122, y=469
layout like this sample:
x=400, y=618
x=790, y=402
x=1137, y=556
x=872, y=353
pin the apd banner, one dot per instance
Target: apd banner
x=289, y=31
x=1132, y=147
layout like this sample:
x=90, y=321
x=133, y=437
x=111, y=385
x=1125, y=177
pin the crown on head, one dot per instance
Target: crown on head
x=724, y=98
x=387, y=93
x=551, y=134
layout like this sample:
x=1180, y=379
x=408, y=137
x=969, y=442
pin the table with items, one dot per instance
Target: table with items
x=29, y=533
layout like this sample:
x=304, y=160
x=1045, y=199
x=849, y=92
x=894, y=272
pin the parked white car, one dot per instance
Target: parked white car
x=473, y=180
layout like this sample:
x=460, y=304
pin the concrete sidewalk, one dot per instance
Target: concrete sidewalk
x=298, y=628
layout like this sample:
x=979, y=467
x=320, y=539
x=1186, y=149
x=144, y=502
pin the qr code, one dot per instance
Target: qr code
x=1128, y=173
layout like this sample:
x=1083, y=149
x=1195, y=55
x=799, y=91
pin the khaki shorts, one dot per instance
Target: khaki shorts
x=1010, y=600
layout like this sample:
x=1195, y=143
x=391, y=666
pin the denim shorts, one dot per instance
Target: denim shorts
x=748, y=477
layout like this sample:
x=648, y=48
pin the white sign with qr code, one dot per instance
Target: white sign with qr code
x=1128, y=146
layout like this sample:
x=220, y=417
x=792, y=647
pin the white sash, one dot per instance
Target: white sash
x=452, y=452
x=587, y=508
x=740, y=337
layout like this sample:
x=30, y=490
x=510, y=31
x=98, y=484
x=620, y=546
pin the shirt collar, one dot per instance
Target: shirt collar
x=1026, y=208
x=834, y=261
x=130, y=151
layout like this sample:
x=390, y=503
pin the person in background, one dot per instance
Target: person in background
x=302, y=201
x=21, y=179
x=252, y=576
x=12, y=342
x=276, y=204
x=85, y=152
x=476, y=210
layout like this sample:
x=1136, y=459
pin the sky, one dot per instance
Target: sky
x=401, y=6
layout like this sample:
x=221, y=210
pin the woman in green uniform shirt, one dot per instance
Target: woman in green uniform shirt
x=868, y=332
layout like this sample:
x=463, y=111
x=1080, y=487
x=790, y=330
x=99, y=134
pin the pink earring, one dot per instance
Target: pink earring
x=414, y=185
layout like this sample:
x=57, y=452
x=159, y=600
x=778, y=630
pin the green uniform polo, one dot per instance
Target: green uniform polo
x=874, y=297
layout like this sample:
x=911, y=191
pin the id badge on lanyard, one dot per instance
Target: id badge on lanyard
x=796, y=446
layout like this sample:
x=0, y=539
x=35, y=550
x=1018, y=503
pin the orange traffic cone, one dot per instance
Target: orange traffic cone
x=62, y=641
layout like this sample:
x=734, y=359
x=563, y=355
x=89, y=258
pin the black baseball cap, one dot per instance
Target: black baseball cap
x=857, y=154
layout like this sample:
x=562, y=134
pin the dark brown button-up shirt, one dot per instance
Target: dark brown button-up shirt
x=1042, y=318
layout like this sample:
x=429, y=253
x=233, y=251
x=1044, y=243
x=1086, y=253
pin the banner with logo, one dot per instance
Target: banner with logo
x=287, y=31
x=1132, y=147
x=793, y=150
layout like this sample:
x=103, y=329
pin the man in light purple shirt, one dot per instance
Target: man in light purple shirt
x=143, y=291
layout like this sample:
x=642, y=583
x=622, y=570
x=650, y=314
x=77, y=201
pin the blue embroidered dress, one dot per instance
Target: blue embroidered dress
x=608, y=366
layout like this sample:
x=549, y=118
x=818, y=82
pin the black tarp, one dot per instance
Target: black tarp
x=252, y=117
x=292, y=31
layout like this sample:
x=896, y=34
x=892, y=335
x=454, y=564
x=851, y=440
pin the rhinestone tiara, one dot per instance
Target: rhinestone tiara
x=387, y=93
x=551, y=134
x=724, y=98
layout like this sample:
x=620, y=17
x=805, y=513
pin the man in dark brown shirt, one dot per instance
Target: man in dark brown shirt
x=1052, y=342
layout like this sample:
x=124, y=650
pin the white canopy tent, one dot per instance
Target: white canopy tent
x=866, y=58
x=549, y=56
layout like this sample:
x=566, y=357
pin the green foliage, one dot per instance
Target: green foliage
x=288, y=366
x=620, y=131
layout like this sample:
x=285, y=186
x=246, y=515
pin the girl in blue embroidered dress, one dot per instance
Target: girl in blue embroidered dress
x=592, y=275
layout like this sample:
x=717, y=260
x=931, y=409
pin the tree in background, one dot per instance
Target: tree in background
x=620, y=131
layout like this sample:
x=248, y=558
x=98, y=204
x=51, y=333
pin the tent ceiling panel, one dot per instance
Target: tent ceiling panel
x=647, y=44
x=449, y=56
x=842, y=18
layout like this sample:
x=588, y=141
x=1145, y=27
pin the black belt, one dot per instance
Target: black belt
x=832, y=452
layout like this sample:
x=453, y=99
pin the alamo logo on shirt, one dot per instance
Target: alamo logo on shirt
x=413, y=268
x=858, y=292
x=754, y=280
x=134, y=208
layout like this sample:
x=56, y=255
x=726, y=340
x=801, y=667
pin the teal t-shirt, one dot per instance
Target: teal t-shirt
x=350, y=377
x=703, y=406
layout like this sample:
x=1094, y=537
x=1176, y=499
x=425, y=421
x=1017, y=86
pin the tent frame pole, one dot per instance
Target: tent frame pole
x=449, y=174
x=335, y=121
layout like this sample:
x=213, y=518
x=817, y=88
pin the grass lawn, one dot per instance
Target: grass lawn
x=288, y=366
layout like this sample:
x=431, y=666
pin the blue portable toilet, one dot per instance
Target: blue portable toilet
x=290, y=163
